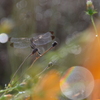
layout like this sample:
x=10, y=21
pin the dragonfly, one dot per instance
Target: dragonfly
x=33, y=42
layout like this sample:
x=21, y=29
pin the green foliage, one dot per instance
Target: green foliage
x=91, y=12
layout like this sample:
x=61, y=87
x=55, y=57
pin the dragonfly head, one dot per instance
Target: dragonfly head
x=34, y=51
x=54, y=43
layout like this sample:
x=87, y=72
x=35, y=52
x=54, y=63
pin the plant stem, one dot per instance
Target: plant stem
x=94, y=26
x=40, y=57
x=35, y=61
x=20, y=67
x=97, y=35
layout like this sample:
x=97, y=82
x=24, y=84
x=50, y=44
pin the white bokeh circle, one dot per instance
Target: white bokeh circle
x=77, y=83
x=3, y=38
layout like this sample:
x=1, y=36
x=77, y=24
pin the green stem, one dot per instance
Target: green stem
x=94, y=26
x=97, y=35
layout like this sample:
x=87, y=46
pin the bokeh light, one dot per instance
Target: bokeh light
x=77, y=83
x=3, y=38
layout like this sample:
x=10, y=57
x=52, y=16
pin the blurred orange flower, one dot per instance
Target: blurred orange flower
x=92, y=62
x=96, y=92
x=48, y=87
x=92, y=53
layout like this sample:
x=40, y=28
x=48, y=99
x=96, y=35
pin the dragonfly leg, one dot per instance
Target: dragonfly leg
x=38, y=53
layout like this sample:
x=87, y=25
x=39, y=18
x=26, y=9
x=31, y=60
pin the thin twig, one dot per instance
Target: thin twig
x=20, y=67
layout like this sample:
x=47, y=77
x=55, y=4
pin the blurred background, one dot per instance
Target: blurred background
x=72, y=27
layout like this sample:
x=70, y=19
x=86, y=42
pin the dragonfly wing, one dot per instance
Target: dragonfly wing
x=47, y=34
x=20, y=42
x=43, y=39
